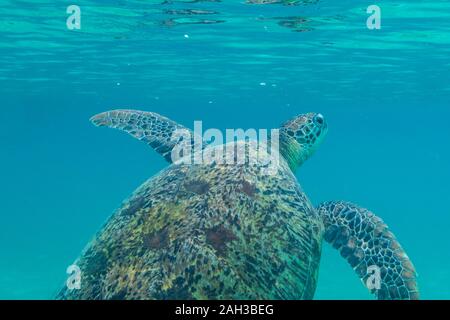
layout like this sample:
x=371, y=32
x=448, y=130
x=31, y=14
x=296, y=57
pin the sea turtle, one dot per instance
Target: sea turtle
x=228, y=231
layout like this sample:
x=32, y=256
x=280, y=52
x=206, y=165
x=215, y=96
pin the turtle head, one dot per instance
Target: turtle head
x=300, y=137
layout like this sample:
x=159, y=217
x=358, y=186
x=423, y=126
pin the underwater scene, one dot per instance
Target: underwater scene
x=358, y=93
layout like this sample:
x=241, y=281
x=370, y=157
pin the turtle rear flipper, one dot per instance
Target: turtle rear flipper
x=365, y=241
x=159, y=132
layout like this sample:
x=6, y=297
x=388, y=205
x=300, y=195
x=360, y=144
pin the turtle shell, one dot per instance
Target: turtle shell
x=213, y=231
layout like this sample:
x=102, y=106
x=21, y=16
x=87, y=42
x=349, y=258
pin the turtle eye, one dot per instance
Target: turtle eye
x=319, y=119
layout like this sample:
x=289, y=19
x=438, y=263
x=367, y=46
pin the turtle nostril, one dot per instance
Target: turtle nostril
x=319, y=119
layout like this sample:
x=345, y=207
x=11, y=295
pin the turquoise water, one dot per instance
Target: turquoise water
x=385, y=94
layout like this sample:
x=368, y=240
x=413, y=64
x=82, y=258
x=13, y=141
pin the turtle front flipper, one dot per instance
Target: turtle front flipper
x=365, y=241
x=159, y=132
